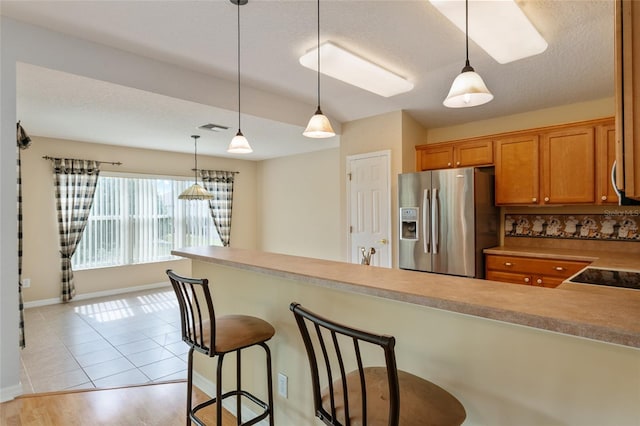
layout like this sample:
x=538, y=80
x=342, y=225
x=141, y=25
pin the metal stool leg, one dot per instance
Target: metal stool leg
x=238, y=388
x=219, y=391
x=189, y=385
x=269, y=382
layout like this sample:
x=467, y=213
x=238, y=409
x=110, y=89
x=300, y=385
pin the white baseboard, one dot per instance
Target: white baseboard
x=9, y=393
x=85, y=296
x=208, y=387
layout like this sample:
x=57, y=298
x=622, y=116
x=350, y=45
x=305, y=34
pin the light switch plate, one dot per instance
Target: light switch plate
x=282, y=385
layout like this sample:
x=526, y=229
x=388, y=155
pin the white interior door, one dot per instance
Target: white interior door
x=369, y=207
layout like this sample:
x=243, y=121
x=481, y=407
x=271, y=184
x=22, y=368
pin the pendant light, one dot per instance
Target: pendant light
x=239, y=144
x=195, y=191
x=467, y=89
x=319, y=125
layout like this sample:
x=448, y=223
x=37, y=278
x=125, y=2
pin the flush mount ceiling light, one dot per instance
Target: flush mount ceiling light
x=467, y=89
x=195, y=191
x=319, y=125
x=352, y=69
x=499, y=27
x=239, y=144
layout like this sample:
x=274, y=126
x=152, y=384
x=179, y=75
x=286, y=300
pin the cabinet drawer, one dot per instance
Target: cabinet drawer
x=544, y=267
x=508, y=277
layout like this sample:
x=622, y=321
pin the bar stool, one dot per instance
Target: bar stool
x=212, y=336
x=368, y=396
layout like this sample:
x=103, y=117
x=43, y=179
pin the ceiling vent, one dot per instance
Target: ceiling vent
x=213, y=127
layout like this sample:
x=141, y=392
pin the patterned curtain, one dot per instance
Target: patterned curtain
x=23, y=142
x=220, y=184
x=75, y=182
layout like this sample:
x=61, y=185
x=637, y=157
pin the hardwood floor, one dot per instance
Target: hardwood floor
x=154, y=404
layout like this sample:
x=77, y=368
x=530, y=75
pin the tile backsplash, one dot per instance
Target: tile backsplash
x=607, y=227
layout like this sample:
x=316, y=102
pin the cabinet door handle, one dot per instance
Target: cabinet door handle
x=457, y=163
x=539, y=280
x=534, y=199
x=449, y=164
x=546, y=199
x=603, y=198
x=526, y=280
x=508, y=264
x=559, y=268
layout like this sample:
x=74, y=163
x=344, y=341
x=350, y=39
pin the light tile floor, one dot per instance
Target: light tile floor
x=121, y=340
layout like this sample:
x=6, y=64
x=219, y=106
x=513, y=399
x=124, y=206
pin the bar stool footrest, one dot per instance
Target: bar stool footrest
x=194, y=418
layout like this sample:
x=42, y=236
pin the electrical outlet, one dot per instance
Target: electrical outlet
x=282, y=385
x=26, y=282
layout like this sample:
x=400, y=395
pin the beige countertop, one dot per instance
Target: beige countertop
x=608, y=314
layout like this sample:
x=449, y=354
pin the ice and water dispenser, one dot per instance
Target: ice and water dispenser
x=409, y=223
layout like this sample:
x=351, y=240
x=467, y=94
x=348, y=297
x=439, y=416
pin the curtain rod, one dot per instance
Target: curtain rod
x=113, y=163
x=228, y=171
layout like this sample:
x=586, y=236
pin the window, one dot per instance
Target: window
x=139, y=219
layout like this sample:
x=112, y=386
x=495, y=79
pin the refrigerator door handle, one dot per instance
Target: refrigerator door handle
x=426, y=220
x=435, y=217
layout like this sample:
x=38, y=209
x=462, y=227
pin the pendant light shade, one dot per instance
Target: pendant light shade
x=195, y=191
x=468, y=88
x=319, y=125
x=239, y=144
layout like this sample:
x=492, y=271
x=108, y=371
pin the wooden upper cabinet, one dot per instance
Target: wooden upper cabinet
x=627, y=79
x=454, y=154
x=568, y=166
x=477, y=153
x=605, y=156
x=436, y=156
x=517, y=170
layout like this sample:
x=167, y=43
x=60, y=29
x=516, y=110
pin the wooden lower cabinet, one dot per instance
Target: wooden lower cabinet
x=530, y=271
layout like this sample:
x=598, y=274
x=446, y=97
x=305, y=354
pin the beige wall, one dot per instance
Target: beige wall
x=544, y=117
x=299, y=205
x=503, y=374
x=41, y=259
x=413, y=133
x=372, y=134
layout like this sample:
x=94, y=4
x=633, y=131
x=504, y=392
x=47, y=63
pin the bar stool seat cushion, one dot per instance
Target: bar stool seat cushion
x=237, y=331
x=421, y=402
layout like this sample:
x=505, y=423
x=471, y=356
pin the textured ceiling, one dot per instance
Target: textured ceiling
x=409, y=38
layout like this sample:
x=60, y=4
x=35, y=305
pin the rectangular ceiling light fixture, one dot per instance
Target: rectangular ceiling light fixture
x=351, y=69
x=499, y=27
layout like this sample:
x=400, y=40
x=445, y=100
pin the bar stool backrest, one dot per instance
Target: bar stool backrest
x=322, y=346
x=197, y=316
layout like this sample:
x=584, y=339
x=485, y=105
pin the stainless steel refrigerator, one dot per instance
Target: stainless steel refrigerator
x=447, y=217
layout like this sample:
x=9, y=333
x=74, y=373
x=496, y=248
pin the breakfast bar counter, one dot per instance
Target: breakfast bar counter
x=511, y=354
x=611, y=315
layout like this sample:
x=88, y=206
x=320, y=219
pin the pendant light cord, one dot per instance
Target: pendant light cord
x=466, y=28
x=195, y=155
x=318, y=16
x=238, y=66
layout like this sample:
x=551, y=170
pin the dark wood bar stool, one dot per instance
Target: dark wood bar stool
x=368, y=396
x=212, y=336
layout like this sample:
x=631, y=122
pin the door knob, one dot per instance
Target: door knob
x=383, y=241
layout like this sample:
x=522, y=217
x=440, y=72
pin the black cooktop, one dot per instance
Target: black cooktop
x=625, y=279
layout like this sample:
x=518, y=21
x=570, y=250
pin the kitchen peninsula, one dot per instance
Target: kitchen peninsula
x=512, y=354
